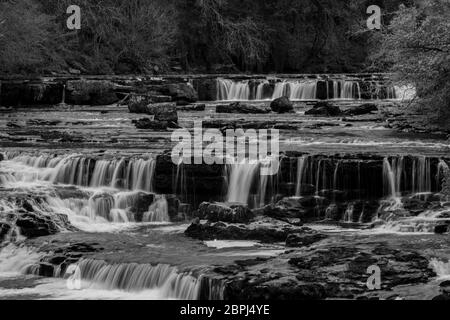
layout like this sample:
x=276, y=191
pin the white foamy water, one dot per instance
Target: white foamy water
x=14, y=260
x=222, y=244
x=105, y=193
x=441, y=268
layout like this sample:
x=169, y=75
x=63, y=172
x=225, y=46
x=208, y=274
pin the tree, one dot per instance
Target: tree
x=417, y=47
x=24, y=40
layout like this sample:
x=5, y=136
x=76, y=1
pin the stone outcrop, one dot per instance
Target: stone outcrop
x=29, y=93
x=261, y=229
x=222, y=212
x=163, y=112
x=91, y=92
x=282, y=105
x=365, y=108
x=325, y=109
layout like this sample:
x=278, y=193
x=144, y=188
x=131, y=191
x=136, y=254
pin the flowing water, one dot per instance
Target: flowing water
x=359, y=178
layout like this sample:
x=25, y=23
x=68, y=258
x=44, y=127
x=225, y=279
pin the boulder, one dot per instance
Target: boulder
x=32, y=225
x=282, y=105
x=206, y=88
x=141, y=203
x=365, y=108
x=161, y=111
x=324, y=109
x=91, y=92
x=441, y=229
x=182, y=93
x=238, y=107
x=216, y=212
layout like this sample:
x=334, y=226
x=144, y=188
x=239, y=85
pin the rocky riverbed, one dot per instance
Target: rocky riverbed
x=94, y=188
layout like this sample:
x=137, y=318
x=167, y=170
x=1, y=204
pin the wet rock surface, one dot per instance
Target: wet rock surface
x=261, y=229
x=282, y=105
x=324, y=109
x=239, y=107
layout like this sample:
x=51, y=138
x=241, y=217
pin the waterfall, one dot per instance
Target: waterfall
x=444, y=172
x=132, y=277
x=260, y=95
x=296, y=90
x=421, y=175
x=158, y=211
x=15, y=260
x=241, y=180
x=232, y=90
x=300, y=171
x=441, y=268
x=348, y=216
x=99, y=191
x=128, y=174
x=390, y=179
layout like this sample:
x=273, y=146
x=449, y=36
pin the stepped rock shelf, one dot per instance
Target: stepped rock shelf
x=84, y=184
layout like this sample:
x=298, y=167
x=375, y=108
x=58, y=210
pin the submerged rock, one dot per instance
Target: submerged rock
x=365, y=108
x=282, y=105
x=324, y=109
x=149, y=124
x=244, y=108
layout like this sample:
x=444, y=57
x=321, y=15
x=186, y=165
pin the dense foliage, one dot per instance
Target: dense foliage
x=133, y=36
x=416, y=47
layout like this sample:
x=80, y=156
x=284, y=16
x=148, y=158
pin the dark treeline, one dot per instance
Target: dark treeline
x=155, y=36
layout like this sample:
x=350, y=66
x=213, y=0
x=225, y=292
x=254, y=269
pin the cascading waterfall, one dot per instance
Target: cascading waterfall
x=300, y=172
x=294, y=89
x=106, y=190
x=158, y=211
x=166, y=280
x=241, y=178
x=232, y=90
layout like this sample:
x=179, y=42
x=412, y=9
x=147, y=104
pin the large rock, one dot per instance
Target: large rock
x=165, y=112
x=206, y=88
x=262, y=229
x=238, y=107
x=90, y=92
x=32, y=225
x=324, y=109
x=182, y=93
x=365, y=108
x=282, y=105
x=216, y=212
